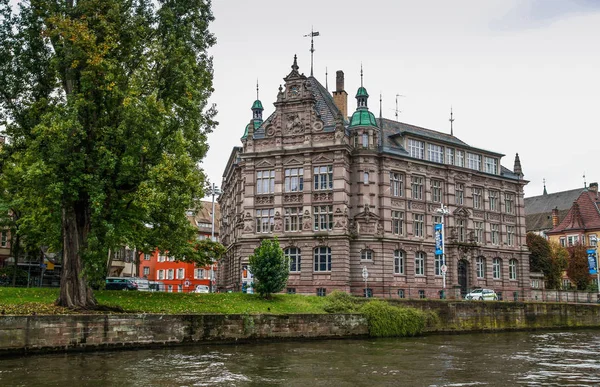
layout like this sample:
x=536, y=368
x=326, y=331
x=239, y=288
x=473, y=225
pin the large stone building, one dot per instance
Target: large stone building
x=344, y=194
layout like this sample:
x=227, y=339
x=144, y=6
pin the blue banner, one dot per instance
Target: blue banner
x=439, y=242
x=592, y=261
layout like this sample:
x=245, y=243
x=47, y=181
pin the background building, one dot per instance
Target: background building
x=349, y=194
x=539, y=210
x=182, y=276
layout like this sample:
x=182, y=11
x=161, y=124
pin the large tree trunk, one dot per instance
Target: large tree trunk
x=74, y=291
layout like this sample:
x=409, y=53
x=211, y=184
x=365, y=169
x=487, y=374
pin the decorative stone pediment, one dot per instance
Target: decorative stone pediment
x=366, y=216
x=322, y=159
x=264, y=163
x=462, y=212
x=292, y=161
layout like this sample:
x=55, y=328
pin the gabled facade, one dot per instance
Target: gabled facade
x=345, y=194
x=582, y=221
x=543, y=212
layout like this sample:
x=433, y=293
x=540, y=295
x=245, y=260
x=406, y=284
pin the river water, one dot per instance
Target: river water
x=499, y=359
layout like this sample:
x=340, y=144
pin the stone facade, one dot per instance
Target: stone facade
x=344, y=194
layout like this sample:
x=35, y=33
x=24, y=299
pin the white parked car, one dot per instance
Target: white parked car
x=201, y=289
x=482, y=295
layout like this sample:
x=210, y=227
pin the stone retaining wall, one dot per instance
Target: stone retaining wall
x=27, y=334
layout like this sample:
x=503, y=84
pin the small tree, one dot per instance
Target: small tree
x=578, y=270
x=270, y=268
x=559, y=257
x=539, y=253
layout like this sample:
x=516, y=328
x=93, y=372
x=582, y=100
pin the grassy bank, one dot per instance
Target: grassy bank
x=23, y=301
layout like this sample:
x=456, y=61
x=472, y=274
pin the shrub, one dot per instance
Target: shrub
x=340, y=302
x=270, y=267
x=386, y=320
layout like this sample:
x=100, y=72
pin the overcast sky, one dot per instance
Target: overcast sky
x=522, y=76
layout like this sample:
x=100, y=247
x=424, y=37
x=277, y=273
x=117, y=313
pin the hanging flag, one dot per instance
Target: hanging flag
x=592, y=261
x=439, y=242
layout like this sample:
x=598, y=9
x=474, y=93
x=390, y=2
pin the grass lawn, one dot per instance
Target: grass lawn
x=23, y=301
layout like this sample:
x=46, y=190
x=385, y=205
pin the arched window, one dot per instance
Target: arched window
x=398, y=262
x=322, y=258
x=366, y=255
x=512, y=269
x=294, y=257
x=497, y=268
x=419, y=263
x=480, y=262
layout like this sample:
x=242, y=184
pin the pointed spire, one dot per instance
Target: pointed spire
x=257, y=89
x=361, y=75
x=545, y=192
x=380, y=109
x=295, y=64
x=452, y=122
x=584, y=183
x=326, y=86
x=517, y=168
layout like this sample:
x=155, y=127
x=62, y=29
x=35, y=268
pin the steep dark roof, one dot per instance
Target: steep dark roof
x=545, y=203
x=542, y=220
x=583, y=214
x=324, y=104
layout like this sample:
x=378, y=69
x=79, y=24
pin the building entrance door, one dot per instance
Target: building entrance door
x=463, y=278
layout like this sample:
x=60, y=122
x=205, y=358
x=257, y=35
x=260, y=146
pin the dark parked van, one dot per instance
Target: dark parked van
x=121, y=283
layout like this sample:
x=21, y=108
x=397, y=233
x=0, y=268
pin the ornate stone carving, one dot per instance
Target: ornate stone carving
x=509, y=219
x=293, y=124
x=478, y=214
x=292, y=198
x=417, y=206
x=493, y=216
x=322, y=197
x=262, y=200
x=397, y=203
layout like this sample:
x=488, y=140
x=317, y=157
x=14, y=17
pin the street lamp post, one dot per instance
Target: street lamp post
x=443, y=210
x=365, y=275
x=214, y=191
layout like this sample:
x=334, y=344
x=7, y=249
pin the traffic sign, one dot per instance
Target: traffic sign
x=187, y=283
x=365, y=273
x=444, y=268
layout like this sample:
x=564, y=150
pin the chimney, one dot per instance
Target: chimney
x=340, y=97
x=554, y=217
x=593, y=187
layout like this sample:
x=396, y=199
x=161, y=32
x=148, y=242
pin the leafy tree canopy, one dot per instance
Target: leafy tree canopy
x=270, y=268
x=539, y=253
x=578, y=268
x=105, y=106
x=559, y=257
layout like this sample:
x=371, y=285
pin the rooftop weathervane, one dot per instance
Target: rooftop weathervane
x=312, y=47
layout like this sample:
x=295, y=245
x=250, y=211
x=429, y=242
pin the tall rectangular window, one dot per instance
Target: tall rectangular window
x=265, y=182
x=146, y=257
x=436, y=153
x=146, y=271
x=480, y=262
x=161, y=274
x=366, y=178
x=294, y=179
x=419, y=263
x=365, y=140
x=323, y=259
x=496, y=268
x=478, y=232
x=509, y=203
x=398, y=222
x=461, y=229
x=265, y=220
x=495, y=234
x=198, y=273
x=398, y=262
x=450, y=156
x=416, y=149
x=323, y=218
x=293, y=219
x=418, y=225
x=460, y=158
x=417, y=187
x=477, y=198
x=494, y=199
x=490, y=165
x=512, y=269
x=459, y=194
x=4, y=240
x=396, y=184
x=510, y=235
x=473, y=161
x=294, y=257
x=436, y=191
x=170, y=274
x=438, y=265
x=180, y=273
x=323, y=178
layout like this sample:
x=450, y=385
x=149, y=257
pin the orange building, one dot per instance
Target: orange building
x=183, y=277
